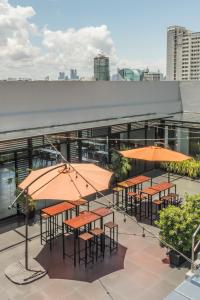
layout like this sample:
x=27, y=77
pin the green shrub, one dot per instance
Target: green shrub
x=190, y=168
x=177, y=224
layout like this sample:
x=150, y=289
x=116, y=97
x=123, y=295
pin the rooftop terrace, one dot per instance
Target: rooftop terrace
x=138, y=271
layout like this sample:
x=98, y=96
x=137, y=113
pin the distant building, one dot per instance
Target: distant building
x=151, y=76
x=47, y=78
x=116, y=77
x=61, y=76
x=129, y=74
x=73, y=74
x=183, y=54
x=101, y=68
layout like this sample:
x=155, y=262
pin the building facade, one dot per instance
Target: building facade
x=87, y=120
x=152, y=76
x=183, y=54
x=101, y=68
x=129, y=74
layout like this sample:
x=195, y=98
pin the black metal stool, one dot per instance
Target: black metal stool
x=116, y=192
x=87, y=239
x=45, y=235
x=99, y=241
x=158, y=204
x=113, y=235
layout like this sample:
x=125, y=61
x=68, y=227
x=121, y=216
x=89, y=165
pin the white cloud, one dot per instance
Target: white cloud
x=15, y=32
x=58, y=50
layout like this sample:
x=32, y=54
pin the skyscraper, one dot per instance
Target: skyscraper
x=61, y=76
x=73, y=74
x=183, y=54
x=101, y=67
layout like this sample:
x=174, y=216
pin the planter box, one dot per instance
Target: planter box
x=175, y=258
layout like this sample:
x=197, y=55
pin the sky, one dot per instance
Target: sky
x=43, y=37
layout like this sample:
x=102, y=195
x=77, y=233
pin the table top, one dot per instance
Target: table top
x=162, y=186
x=78, y=202
x=149, y=191
x=134, y=181
x=57, y=208
x=84, y=218
x=102, y=211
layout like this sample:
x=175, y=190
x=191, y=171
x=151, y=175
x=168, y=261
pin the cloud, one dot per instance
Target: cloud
x=77, y=48
x=15, y=32
x=56, y=50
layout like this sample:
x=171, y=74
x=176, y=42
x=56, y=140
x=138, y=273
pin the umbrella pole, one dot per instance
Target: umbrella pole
x=26, y=230
x=168, y=176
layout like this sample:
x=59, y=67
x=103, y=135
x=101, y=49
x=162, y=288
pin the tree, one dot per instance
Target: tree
x=177, y=224
x=120, y=166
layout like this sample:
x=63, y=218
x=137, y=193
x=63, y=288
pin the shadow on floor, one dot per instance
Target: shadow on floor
x=64, y=269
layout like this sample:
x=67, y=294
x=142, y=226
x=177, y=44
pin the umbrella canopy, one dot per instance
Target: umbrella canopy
x=66, y=182
x=155, y=153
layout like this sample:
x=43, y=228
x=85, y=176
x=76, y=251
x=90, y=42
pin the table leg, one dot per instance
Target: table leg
x=63, y=238
x=77, y=210
x=151, y=210
x=126, y=199
x=50, y=233
x=75, y=235
x=40, y=227
x=101, y=222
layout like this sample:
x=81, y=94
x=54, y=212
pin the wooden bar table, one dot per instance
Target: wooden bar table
x=103, y=212
x=85, y=218
x=133, y=183
x=78, y=203
x=52, y=213
x=150, y=192
x=153, y=190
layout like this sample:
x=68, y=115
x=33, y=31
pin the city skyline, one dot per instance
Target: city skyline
x=38, y=41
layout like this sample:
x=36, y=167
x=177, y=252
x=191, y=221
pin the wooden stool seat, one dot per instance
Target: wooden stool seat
x=45, y=216
x=157, y=202
x=132, y=194
x=86, y=236
x=118, y=189
x=142, y=196
x=110, y=225
x=173, y=195
x=166, y=198
x=96, y=231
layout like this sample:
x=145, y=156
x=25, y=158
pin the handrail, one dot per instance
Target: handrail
x=194, y=247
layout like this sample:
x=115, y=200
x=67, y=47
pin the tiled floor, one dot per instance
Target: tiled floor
x=135, y=272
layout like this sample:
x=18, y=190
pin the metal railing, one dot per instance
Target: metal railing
x=194, y=247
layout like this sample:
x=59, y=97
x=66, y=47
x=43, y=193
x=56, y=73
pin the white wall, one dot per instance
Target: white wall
x=42, y=103
x=190, y=95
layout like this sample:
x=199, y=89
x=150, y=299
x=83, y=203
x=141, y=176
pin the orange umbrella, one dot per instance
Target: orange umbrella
x=154, y=153
x=66, y=182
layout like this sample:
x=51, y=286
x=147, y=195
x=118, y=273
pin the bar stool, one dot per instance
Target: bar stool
x=132, y=197
x=46, y=234
x=116, y=192
x=87, y=239
x=166, y=200
x=158, y=204
x=175, y=199
x=113, y=235
x=140, y=197
x=99, y=241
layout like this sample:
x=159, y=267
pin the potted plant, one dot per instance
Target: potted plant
x=21, y=205
x=120, y=166
x=177, y=225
